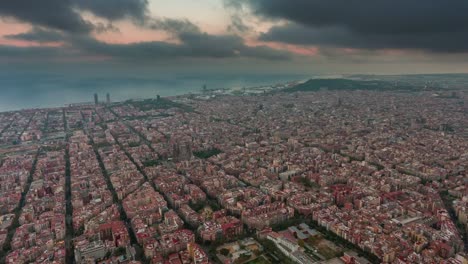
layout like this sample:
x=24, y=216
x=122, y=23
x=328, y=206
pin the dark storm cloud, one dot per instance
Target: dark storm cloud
x=38, y=35
x=114, y=9
x=58, y=21
x=339, y=37
x=136, y=51
x=63, y=14
x=434, y=25
x=193, y=45
x=56, y=14
x=219, y=46
x=397, y=16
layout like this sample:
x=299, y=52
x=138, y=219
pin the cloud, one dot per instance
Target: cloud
x=55, y=14
x=229, y=46
x=432, y=25
x=193, y=45
x=60, y=21
x=234, y=4
x=174, y=26
x=105, y=27
x=64, y=14
x=38, y=34
x=398, y=16
x=296, y=34
x=238, y=25
x=191, y=42
x=239, y=15
x=114, y=9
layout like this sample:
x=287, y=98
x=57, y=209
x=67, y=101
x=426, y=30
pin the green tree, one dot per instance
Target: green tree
x=120, y=251
x=300, y=242
x=224, y=251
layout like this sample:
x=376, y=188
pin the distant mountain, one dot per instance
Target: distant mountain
x=349, y=84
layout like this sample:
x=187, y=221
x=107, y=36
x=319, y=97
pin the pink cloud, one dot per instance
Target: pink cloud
x=296, y=49
x=130, y=33
x=13, y=28
x=25, y=44
x=10, y=28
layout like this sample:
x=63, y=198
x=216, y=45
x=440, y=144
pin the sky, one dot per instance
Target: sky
x=143, y=38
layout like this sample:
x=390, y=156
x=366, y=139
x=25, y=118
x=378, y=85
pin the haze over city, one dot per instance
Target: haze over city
x=70, y=48
x=233, y=131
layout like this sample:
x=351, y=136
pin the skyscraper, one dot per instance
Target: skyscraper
x=108, y=98
x=96, y=100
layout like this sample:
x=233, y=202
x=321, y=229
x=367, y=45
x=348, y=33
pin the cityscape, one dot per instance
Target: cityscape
x=233, y=132
x=284, y=176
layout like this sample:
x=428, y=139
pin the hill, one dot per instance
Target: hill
x=348, y=84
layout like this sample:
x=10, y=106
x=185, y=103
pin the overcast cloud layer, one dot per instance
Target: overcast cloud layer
x=64, y=14
x=302, y=34
x=433, y=25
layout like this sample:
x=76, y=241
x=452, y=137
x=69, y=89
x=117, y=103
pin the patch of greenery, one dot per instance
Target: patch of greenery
x=377, y=165
x=324, y=250
x=259, y=260
x=205, y=154
x=52, y=148
x=242, y=258
x=237, y=92
x=120, y=251
x=348, y=84
x=308, y=183
x=133, y=144
x=102, y=145
x=270, y=247
x=224, y=251
x=152, y=163
x=197, y=207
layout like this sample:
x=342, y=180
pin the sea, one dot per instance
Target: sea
x=19, y=92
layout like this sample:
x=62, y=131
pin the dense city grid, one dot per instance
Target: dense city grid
x=373, y=176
